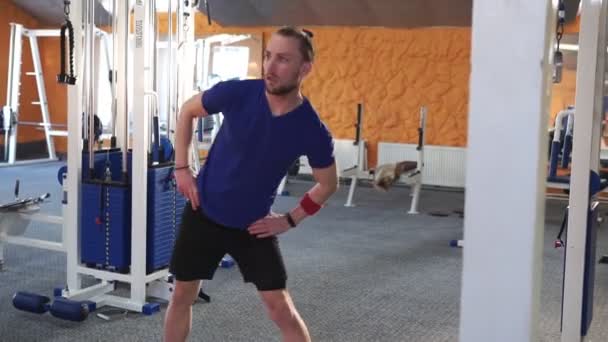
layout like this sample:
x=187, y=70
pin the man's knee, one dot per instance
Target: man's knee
x=282, y=314
x=185, y=292
x=280, y=308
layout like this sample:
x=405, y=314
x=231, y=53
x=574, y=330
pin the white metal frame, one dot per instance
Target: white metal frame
x=13, y=92
x=142, y=285
x=414, y=177
x=359, y=171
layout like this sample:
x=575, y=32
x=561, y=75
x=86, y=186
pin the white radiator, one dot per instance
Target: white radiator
x=443, y=166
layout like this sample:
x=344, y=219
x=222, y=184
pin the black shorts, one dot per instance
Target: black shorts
x=201, y=244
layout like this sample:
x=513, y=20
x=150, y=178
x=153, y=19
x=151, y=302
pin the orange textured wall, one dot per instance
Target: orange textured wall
x=392, y=72
x=56, y=95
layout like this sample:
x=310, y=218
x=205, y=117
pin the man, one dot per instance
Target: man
x=267, y=125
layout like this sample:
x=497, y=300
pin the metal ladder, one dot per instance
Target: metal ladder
x=11, y=110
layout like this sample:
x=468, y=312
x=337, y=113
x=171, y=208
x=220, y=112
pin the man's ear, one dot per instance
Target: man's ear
x=305, y=68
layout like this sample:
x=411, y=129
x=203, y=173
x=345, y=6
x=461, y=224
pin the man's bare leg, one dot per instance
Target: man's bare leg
x=284, y=314
x=178, y=319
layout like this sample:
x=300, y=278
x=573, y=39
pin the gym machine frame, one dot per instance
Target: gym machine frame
x=412, y=176
x=142, y=284
x=156, y=283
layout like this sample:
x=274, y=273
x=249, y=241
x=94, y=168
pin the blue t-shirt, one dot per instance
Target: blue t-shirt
x=253, y=151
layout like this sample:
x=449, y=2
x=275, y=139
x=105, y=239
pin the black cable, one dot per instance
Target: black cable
x=71, y=52
x=61, y=77
x=64, y=77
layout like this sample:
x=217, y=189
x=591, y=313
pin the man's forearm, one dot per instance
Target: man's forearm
x=319, y=193
x=183, y=136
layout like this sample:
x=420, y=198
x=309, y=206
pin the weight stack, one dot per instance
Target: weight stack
x=106, y=225
x=164, y=213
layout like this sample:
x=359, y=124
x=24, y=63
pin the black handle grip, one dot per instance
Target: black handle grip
x=156, y=134
x=17, y=188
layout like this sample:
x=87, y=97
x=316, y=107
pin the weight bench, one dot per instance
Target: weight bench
x=386, y=175
x=15, y=217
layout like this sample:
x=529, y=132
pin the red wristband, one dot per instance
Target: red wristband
x=310, y=207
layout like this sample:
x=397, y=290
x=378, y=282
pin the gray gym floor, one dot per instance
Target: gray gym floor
x=370, y=273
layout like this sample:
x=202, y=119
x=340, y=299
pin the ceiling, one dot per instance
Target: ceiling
x=387, y=13
x=50, y=12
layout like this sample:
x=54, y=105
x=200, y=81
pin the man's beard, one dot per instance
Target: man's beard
x=282, y=90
